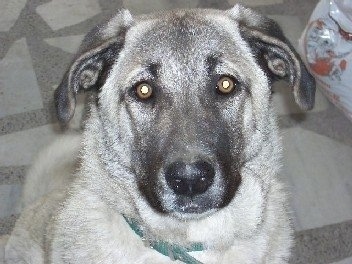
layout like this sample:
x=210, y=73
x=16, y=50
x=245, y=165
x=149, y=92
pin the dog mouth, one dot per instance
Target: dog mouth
x=190, y=188
x=196, y=207
x=186, y=199
x=192, y=206
x=186, y=205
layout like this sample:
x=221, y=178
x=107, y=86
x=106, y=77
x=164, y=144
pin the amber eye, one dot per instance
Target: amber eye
x=226, y=85
x=144, y=91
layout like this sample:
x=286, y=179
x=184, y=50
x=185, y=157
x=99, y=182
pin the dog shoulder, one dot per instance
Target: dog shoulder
x=52, y=169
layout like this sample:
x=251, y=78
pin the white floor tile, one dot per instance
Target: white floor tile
x=319, y=172
x=19, y=91
x=291, y=26
x=10, y=199
x=344, y=261
x=9, y=12
x=21, y=147
x=69, y=44
x=62, y=13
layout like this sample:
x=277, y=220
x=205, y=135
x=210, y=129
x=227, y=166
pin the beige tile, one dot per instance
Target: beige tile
x=19, y=91
x=319, y=172
x=255, y=2
x=291, y=26
x=10, y=199
x=141, y=7
x=344, y=261
x=63, y=13
x=9, y=12
x=284, y=102
x=20, y=148
x=69, y=43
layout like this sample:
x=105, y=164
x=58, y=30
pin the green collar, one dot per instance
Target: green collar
x=175, y=252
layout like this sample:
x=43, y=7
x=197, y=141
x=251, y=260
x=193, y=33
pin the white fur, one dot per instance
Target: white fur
x=115, y=242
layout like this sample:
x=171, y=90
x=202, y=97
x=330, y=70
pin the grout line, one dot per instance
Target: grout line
x=12, y=174
x=324, y=244
x=23, y=121
x=7, y=224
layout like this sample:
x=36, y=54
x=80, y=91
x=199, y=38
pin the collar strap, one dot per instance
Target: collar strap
x=174, y=252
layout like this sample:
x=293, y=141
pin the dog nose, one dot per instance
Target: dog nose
x=189, y=179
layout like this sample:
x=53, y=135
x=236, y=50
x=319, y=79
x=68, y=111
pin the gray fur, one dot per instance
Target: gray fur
x=128, y=143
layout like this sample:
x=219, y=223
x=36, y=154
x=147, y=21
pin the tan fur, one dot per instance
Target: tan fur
x=79, y=218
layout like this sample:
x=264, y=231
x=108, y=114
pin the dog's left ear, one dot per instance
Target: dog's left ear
x=275, y=54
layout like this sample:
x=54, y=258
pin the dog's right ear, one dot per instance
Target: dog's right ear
x=89, y=70
x=275, y=54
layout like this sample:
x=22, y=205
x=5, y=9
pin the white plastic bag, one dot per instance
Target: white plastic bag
x=326, y=48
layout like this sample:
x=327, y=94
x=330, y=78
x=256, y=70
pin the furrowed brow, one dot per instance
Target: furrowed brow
x=153, y=68
x=212, y=61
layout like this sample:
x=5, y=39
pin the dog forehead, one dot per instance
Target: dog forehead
x=186, y=33
x=182, y=42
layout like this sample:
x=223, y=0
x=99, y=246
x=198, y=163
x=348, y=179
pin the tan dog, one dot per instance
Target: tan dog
x=180, y=154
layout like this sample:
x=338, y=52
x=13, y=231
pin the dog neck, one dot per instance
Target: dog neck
x=173, y=251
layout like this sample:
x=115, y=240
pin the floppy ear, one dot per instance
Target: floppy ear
x=275, y=54
x=89, y=70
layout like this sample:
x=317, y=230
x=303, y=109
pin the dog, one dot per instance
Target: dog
x=180, y=155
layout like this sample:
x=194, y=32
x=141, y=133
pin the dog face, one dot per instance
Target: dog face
x=184, y=102
x=188, y=143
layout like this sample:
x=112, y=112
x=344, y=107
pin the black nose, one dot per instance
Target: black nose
x=189, y=179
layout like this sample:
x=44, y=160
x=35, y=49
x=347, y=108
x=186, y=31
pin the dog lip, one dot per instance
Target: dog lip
x=192, y=207
x=192, y=212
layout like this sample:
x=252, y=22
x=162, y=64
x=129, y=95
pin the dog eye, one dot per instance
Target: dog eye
x=226, y=85
x=144, y=91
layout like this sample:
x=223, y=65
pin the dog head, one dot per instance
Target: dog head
x=184, y=105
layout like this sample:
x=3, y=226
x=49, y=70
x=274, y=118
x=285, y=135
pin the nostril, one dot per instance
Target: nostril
x=202, y=185
x=204, y=169
x=180, y=186
x=190, y=179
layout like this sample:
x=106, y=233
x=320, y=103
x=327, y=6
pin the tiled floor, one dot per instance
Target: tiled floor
x=10, y=12
x=318, y=170
x=14, y=98
x=64, y=13
x=37, y=41
x=344, y=261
